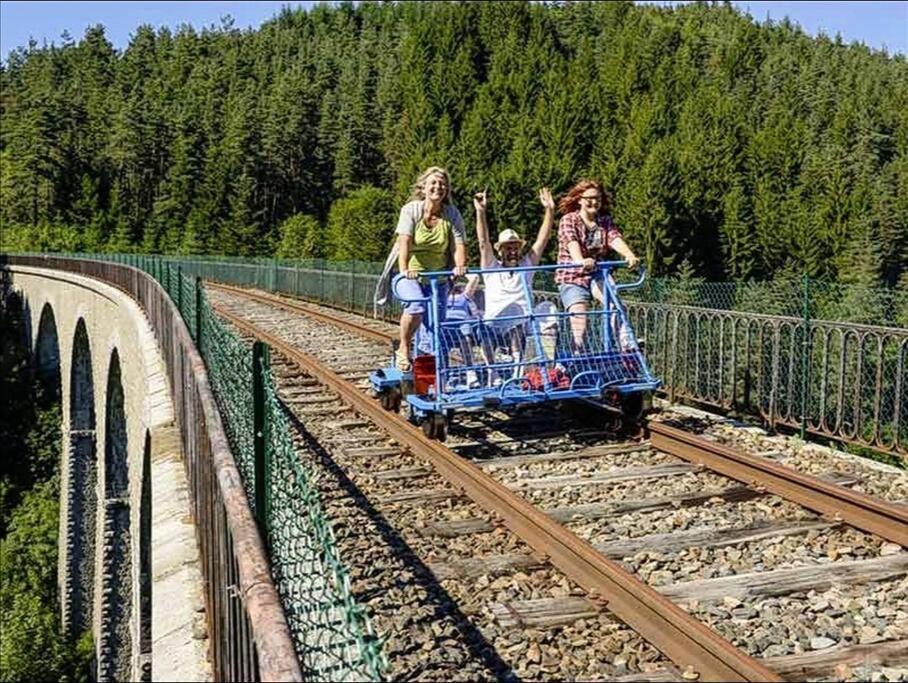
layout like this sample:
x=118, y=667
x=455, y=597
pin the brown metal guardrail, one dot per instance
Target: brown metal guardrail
x=250, y=639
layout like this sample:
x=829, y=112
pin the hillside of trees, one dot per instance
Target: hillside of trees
x=733, y=150
x=32, y=647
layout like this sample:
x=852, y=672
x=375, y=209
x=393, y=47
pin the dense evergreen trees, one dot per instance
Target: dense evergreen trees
x=743, y=150
x=31, y=644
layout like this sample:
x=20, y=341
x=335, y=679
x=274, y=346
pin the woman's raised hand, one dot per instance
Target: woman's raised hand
x=479, y=201
x=545, y=198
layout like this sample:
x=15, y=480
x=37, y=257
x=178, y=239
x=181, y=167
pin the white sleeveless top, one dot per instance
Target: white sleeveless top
x=504, y=293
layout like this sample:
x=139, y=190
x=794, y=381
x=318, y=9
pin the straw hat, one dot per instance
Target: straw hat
x=506, y=236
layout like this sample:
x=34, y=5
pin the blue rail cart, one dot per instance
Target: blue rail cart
x=544, y=356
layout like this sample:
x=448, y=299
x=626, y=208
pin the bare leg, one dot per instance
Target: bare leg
x=518, y=346
x=578, y=323
x=409, y=323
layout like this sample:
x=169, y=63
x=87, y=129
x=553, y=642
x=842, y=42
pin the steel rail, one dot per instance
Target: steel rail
x=273, y=300
x=695, y=648
x=885, y=519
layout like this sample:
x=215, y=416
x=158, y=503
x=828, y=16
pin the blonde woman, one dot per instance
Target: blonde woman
x=430, y=236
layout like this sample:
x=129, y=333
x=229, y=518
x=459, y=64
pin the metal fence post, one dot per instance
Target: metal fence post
x=261, y=461
x=352, y=285
x=322, y=281
x=180, y=288
x=198, y=314
x=805, y=355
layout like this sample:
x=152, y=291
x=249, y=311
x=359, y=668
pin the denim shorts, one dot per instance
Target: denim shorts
x=574, y=294
x=414, y=289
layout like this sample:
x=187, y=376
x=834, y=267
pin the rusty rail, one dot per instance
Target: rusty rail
x=859, y=510
x=250, y=638
x=687, y=642
x=864, y=512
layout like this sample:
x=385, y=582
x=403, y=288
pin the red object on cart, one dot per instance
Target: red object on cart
x=558, y=379
x=423, y=374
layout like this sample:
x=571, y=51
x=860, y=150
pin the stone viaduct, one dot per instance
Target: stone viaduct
x=129, y=560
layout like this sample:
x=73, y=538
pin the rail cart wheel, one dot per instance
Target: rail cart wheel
x=441, y=428
x=632, y=406
x=435, y=426
x=390, y=400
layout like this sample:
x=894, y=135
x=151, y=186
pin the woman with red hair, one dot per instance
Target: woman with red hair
x=585, y=235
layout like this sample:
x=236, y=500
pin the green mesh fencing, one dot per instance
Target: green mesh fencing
x=823, y=358
x=333, y=635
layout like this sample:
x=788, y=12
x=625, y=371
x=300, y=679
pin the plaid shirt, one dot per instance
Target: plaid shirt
x=594, y=243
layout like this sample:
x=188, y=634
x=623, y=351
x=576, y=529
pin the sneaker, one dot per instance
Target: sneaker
x=472, y=379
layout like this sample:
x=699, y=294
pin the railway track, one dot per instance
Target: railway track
x=567, y=512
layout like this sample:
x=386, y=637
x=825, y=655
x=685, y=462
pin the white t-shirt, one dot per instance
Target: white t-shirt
x=504, y=293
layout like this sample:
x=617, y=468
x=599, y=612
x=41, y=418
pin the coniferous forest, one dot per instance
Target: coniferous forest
x=732, y=149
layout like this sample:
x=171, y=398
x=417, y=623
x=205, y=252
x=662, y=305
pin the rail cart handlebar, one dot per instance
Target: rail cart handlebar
x=633, y=285
x=600, y=266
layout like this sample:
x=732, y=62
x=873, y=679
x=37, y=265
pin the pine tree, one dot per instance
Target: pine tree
x=361, y=225
x=297, y=241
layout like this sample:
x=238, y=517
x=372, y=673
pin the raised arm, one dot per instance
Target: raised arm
x=486, y=252
x=545, y=230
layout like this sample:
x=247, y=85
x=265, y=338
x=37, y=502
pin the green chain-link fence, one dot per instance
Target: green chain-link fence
x=823, y=358
x=333, y=635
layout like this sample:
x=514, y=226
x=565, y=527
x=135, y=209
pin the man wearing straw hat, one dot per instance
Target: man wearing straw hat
x=504, y=292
